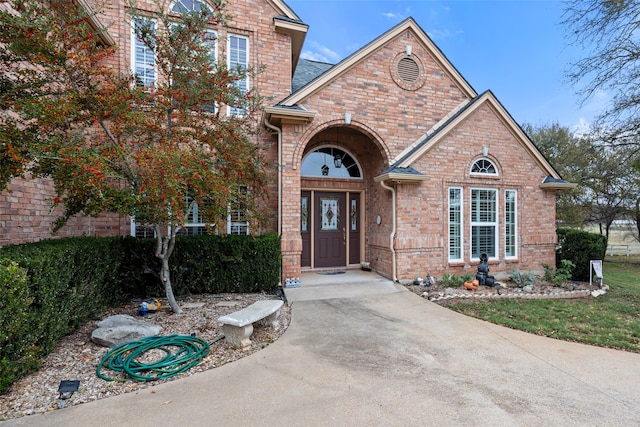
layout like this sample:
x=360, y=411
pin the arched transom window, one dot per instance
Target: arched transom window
x=182, y=6
x=484, y=166
x=330, y=162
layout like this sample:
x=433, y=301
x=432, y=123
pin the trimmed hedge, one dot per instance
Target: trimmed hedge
x=49, y=288
x=204, y=264
x=580, y=247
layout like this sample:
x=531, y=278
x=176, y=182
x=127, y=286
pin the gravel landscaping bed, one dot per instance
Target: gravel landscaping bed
x=76, y=357
x=443, y=295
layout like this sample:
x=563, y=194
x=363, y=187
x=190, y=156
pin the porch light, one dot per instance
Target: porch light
x=325, y=170
x=337, y=161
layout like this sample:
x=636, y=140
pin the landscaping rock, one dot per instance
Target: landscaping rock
x=121, y=328
x=529, y=289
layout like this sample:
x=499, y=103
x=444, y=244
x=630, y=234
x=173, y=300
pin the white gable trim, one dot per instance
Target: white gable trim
x=489, y=99
x=284, y=9
x=351, y=61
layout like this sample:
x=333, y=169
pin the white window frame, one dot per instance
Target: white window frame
x=135, y=42
x=513, y=224
x=460, y=225
x=484, y=159
x=232, y=63
x=175, y=3
x=234, y=225
x=478, y=223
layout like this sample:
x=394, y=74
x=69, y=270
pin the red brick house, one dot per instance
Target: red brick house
x=389, y=157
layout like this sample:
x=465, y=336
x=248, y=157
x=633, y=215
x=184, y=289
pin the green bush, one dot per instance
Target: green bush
x=580, y=247
x=522, y=279
x=451, y=280
x=49, y=288
x=559, y=275
x=18, y=355
x=203, y=264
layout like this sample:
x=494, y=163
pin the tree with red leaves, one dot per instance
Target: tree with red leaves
x=112, y=143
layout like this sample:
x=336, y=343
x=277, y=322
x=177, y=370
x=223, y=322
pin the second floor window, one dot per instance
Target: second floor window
x=143, y=59
x=238, y=57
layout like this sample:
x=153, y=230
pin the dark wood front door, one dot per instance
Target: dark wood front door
x=330, y=230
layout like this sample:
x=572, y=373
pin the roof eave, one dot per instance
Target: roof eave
x=97, y=26
x=278, y=116
x=297, y=32
x=558, y=185
x=401, y=178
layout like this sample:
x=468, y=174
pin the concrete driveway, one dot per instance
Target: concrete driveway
x=363, y=351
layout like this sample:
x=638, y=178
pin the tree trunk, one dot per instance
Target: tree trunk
x=164, y=249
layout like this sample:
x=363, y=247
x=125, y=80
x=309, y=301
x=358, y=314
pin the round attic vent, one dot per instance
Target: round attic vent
x=407, y=71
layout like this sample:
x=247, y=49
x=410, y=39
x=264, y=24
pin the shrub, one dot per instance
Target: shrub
x=559, y=275
x=522, y=279
x=451, y=280
x=580, y=247
x=18, y=355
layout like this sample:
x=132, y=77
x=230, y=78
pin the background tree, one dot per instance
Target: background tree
x=608, y=30
x=113, y=144
x=569, y=155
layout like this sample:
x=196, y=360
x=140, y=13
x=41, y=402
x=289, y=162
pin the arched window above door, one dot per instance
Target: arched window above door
x=330, y=162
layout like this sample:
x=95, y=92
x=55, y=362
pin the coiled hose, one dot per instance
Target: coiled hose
x=189, y=351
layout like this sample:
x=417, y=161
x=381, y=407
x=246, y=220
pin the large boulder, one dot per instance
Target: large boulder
x=121, y=328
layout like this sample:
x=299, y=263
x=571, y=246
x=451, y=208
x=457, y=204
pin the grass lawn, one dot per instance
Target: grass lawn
x=612, y=320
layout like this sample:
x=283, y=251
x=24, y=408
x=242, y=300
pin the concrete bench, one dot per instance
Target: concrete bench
x=238, y=326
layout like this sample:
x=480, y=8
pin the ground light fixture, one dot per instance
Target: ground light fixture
x=66, y=390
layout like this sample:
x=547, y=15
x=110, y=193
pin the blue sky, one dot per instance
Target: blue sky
x=515, y=48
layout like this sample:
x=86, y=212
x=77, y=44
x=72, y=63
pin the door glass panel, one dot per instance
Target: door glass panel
x=304, y=214
x=329, y=214
x=354, y=215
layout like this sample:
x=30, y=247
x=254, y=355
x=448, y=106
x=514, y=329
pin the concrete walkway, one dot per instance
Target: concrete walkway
x=368, y=352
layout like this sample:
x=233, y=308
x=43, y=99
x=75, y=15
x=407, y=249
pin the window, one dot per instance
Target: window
x=484, y=166
x=182, y=6
x=330, y=162
x=510, y=220
x=194, y=223
x=483, y=223
x=237, y=219
x=455, y=224
x=238, y=57
x=143, y=59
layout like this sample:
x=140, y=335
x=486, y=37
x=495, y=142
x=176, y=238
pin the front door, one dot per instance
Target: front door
x=330, y=230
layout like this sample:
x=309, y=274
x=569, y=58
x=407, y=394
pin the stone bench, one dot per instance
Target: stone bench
x=238, y=326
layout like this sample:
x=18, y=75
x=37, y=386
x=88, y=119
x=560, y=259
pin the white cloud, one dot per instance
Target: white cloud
x=438, y=35
x=320, y=53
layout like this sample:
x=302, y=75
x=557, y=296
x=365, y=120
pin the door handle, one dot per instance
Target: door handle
x=344, y=235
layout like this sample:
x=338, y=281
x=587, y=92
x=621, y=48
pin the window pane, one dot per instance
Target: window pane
x=483, y=223
x=238, y=57
x=510, y=232
x=144, y=59
x=483, y=241
x=455, y=223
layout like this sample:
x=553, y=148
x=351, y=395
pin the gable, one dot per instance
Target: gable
x=458, y=117
x=408, y=28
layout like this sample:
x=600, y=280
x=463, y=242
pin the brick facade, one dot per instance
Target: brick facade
x=391, y=114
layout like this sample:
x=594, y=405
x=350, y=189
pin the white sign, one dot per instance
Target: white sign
x=595, y=266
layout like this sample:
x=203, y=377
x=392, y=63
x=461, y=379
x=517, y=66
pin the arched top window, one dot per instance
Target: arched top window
x=182, y=6
x=330, y=162
x=484, y=167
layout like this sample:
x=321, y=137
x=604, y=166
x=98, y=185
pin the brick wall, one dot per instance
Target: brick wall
x=26, y=216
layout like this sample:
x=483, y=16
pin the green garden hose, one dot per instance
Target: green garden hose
x=189, y=351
